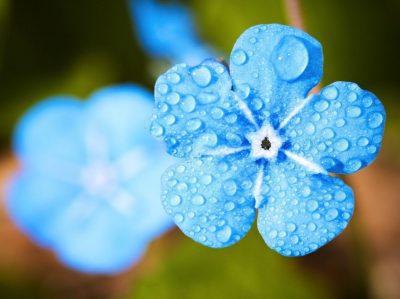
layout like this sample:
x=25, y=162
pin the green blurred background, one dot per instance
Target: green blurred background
x=50, y=47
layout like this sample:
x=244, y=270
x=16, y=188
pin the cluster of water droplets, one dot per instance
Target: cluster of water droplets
x=207, y=203
x=303, y=212
x=196, y=110
x=340, y=129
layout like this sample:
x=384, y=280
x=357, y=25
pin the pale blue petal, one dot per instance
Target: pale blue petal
x=196, y=110
x=302, y=211
x=340, y=129
x=273, y=67
x=50, y=134
x=102, y=241
x=210, y=199
x=35, y=200
x=167, y=31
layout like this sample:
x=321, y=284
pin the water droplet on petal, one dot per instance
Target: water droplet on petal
x=330, y=92
x=342, y=144
x=173, y=98
x=353, y=111
x=178, y=218
x=162, y=88
x=224, y=234
x=193, y=124
x=290, y=58
x=156, y=130
x=321, y=105
x=198, y=200
x=340, y=195
x=375, y=120
x=175, y=200
x=230, y=187
x=239, y=57
x=331, y=214
x=312, y=205
x=201, y=75
x=188, y=104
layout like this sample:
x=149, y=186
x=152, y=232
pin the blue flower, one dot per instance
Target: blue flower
x=167, y=31
x=254, y=138
x=86, y=188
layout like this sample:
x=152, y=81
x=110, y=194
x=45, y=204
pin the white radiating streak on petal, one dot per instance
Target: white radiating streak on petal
x=257, y=187
x=224, y=151
x=245, y=110
x=131, y=163
x=295, y=111
x=311, y=166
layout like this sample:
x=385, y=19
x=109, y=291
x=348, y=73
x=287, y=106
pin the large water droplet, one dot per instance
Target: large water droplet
x=174, y=78
x=193, y=124
x=330, y=92
x=331, y=214
x=201, y=75
x=239, y=57
x=156, y=130
x=312, y=205
x=224, y=234
x=173, y=98
x=290, y=58
x=342, y=144
x=353, y=111
x=175, y=200
x=188, y=104
x=375, y=120
x=230, y=187
x=198, y=200
x=321, y=105
x=162, y=88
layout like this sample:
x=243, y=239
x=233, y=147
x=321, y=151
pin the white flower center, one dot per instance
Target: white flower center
x=265, y=143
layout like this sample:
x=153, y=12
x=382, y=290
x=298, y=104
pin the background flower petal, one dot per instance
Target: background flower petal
x=50, y=135
x=210, y=199
x=35, y=200
x=303, y=211
x=340, y=129
x=273, y=68
x=196, y=110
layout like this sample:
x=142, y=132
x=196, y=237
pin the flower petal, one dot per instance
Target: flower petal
x=100, y=241
x=210, y=199
x=196, y=110
x=273, y=67
x=303, y=211
x=34, y=201
x=51, y=133
x=118, y=115
x=340, y=129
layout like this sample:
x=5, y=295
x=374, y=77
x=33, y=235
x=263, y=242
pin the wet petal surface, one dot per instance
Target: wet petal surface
x=340, y=129
x=273, y=67
x=196, y=111
x=210, y=199
x=302, y=211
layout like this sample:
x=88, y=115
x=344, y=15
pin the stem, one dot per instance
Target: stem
x=295, y=18
x=293, y=13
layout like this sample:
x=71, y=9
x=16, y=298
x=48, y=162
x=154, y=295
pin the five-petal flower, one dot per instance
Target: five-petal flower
x=253, y=137
x=87, y=188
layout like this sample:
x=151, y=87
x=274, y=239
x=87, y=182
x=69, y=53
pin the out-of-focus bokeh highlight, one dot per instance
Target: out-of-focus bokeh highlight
x=75, y=47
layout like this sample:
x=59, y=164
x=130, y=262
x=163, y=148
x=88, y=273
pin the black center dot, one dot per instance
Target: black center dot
x=266, y=144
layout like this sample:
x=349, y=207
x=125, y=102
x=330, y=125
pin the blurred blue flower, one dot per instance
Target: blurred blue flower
x=253, y=137
x=87, y=186
x=167, y=31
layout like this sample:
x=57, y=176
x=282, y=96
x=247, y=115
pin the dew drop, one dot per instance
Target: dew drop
x=321, y=105
x=340, y=195
x=375, y=120
x=173, y=98
x=174, y=78
x=224, y=234
x=206, y=179
x=239, y=57
x=330, y=92
x=353, y=111
x=342, y=144
x=175, y=200
x=188, y=104
x=198, y=200
x=290, y=58
x=291, y=227
x=217, y=113
x=156, y=130
x=163, y=88
x=193, y=124
x=230, y=187
x=331, y=214
x=178, y=218
x=201, y=75
x=312, y=205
